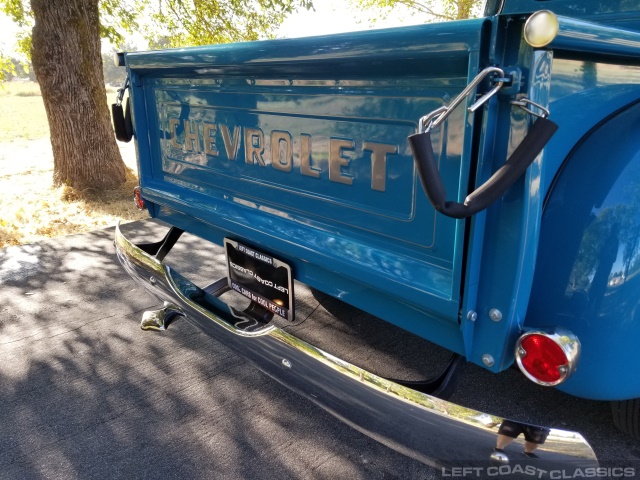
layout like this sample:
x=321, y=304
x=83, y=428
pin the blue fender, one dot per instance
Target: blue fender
x=587, y=274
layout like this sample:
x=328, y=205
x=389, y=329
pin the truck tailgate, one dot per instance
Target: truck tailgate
x=299, y=148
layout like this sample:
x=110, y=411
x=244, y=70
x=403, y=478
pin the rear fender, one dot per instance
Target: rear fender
x=588, y=264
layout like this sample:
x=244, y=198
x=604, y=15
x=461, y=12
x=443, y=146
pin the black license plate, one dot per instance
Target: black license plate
x=261, y=278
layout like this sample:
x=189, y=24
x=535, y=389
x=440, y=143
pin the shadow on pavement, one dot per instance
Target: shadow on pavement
x=86, y=394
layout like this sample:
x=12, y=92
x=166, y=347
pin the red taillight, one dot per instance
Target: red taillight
x=137, y=199
x=543, y=358
x=547, y=358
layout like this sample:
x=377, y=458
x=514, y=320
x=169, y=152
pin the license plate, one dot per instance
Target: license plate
x=261, y=278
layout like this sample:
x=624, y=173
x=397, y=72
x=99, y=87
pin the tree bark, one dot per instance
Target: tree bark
x=66, y=60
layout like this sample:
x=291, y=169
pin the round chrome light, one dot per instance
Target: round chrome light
x=541, y=28
x=547, y=358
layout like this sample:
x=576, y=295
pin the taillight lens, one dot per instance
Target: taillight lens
x=137, y=199
x=547, y=358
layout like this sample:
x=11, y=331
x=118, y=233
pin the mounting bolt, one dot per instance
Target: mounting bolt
x=286, y=363
x=488, y=360
x=472, y=316
x=495, y=314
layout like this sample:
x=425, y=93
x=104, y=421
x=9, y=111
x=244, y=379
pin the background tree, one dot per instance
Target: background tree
x=23, y=69
x=221, y=21
x=7, y=68
x=64, y=45
x=11, y=67
x=434, y=10
x=114, y=75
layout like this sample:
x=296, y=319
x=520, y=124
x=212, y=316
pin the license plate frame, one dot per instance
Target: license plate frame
x=261, y=278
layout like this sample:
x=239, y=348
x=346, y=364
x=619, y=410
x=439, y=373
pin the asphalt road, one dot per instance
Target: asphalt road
x=84, y=393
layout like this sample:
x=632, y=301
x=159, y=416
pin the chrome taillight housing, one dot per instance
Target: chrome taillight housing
x=547, y=357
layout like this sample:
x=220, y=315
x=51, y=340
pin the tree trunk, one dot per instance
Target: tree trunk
x=66, y=59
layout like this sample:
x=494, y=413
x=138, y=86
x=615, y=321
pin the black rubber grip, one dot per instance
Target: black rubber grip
x=122, y=122
x=538, y=136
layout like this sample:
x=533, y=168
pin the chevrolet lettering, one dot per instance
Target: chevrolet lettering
x=280, y=150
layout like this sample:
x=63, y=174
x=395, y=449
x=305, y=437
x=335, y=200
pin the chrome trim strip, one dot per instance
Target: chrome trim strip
x=434, y=431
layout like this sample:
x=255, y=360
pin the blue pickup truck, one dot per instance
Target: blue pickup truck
x=474, y=183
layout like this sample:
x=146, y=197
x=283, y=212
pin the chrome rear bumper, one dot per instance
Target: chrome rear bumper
x=431, y=430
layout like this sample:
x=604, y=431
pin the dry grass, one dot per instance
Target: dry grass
x=20, y=89
x=30, y=208
x=22, y=115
